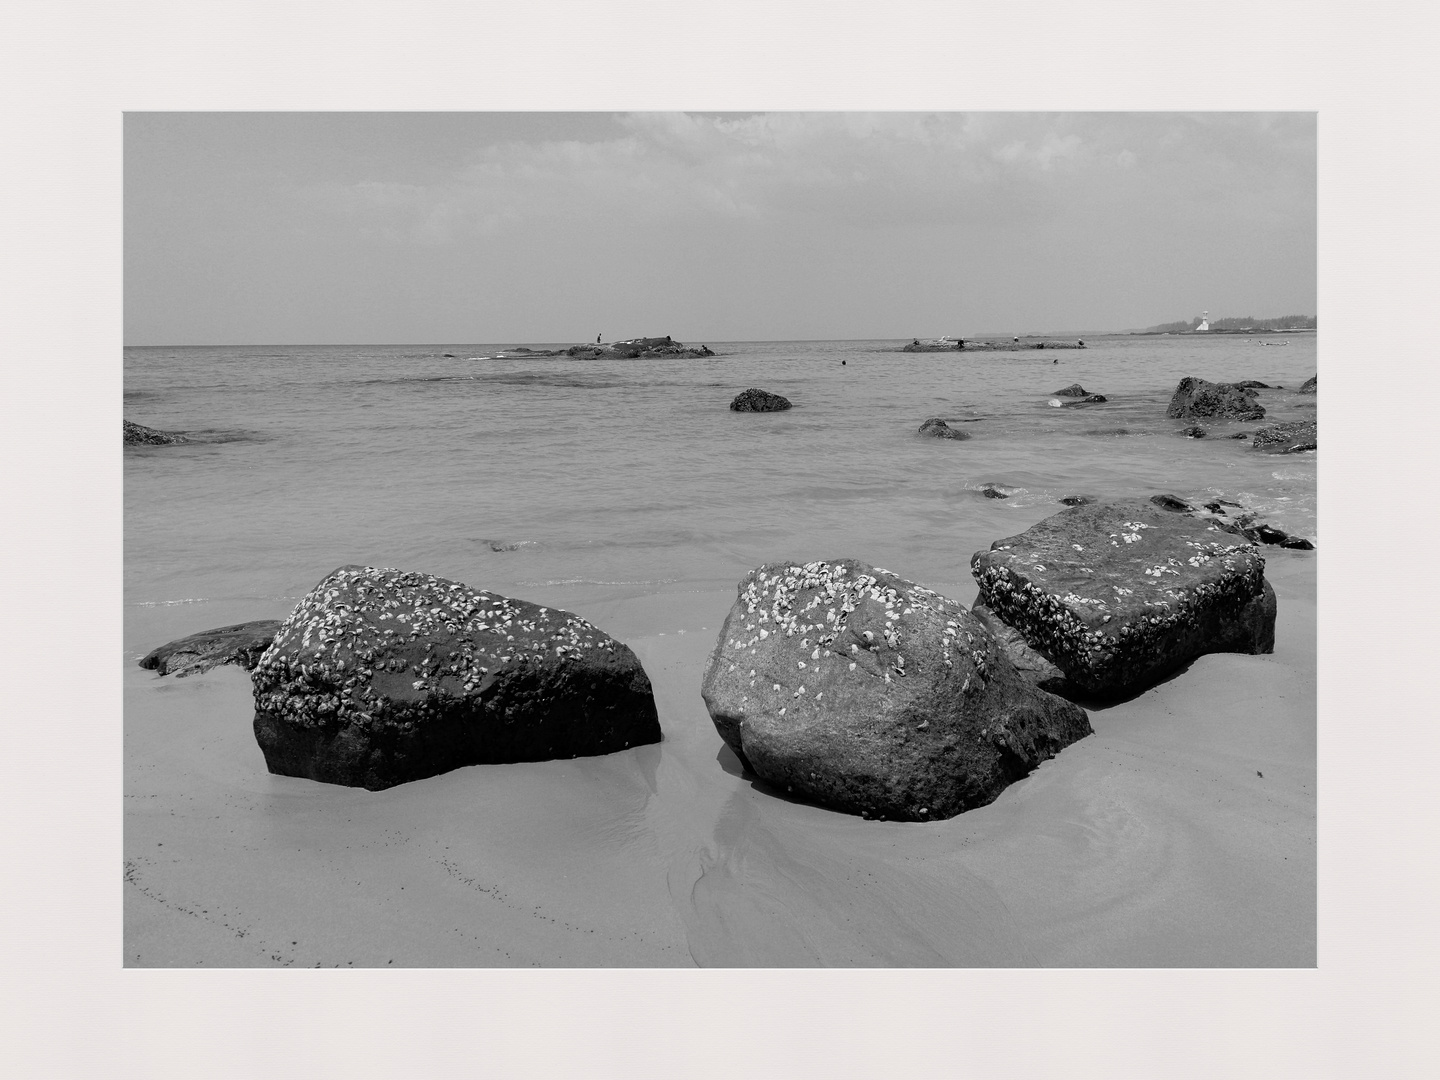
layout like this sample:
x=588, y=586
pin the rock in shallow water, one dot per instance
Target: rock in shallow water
x=242, y=643
x=1198, y=398
x=756, y=400
x=140, y=435
x=1289, y=438
x=1118, y=595
x=937, y=428
x=379, y=677
x=866, y=693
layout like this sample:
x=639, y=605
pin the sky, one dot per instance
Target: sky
x=385, y=228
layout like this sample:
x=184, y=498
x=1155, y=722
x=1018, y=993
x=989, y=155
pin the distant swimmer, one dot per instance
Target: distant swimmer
x=842, y=363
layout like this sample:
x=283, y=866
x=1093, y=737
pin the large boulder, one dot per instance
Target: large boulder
x=754, y=400
x=380, y=676
x=1073, y=390
x=1288, y=438
x=240, y=644
x=1119, y=595
x=140, y=435
x=937, y=428
x=852, y=687
x=1197, y=398
x=1308, y=386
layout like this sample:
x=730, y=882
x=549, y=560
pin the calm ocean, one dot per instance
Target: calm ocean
x=633, y=476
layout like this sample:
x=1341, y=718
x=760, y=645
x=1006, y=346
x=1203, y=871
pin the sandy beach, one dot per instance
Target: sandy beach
x=1182, y=833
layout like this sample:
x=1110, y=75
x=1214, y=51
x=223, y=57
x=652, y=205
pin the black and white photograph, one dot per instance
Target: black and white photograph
x=652, y=539
x=769, y=540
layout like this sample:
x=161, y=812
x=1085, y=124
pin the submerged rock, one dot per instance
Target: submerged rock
x=1288, y=438
x=1197, y=398
x=140, y=435
x=939, y=429
x=754, y=400
x=1172, y=503
x=1088, y=399
x=850, y=686
x=1119, y=595
x=1078, y=500
x=242, y=643
x=379, y=677
x=1194, y=431
x=996, y=491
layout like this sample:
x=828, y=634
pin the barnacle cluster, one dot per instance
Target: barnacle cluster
x=442, y=638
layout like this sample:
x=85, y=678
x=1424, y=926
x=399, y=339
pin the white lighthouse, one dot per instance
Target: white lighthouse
x=1204, y=322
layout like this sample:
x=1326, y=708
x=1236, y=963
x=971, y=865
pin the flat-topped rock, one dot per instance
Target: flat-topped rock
x=1289, y=438
x=756, y=400
x=380, y=676
x=242, y=643
x=847, y=685
x=1119, y=595
x=1198, y=398
x=937, y=428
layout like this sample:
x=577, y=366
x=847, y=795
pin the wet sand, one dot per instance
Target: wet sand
x=1182, y=833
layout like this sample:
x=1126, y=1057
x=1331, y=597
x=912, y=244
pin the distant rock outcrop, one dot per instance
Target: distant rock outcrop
x=1289, y=438
x=379, y=677
x=937, y=428
x=1198, y=398
x=1118, y=595
x=849, y=686
x=242, y=643
x=638, y=348
x=755, y=400
x=140, y=435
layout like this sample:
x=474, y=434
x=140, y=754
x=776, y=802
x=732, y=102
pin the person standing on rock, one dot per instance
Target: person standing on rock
x=597, y=339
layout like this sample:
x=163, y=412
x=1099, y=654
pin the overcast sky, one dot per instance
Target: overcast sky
x=296, y=228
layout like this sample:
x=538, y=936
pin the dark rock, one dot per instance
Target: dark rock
x=1119, y=595
x=866, y=693
x=1088, y=399
x=939, y=429
x=1073, y=390
x=754, y=400
x=1194, y=431
x=635, y=348
x=239, y=644
x=1287, y=438
x=140, y=435
x=1265, y=534
x=996, y=491
x=1078, y=500
x=450, y=354
x=1197, y=398
x=379, y=677
x=1308, y=386
x=1239, y=435
x=1173, y=503
x=1256, y=384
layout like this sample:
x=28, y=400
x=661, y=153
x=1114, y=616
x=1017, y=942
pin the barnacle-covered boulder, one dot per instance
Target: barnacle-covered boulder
x=242, y=643
x=381, y=676
x=1119, y=595
x=852, y=687
x=1198, y=398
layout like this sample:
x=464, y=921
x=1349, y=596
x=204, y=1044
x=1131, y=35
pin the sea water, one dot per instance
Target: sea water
x=1181, y=832
x=513, y=473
